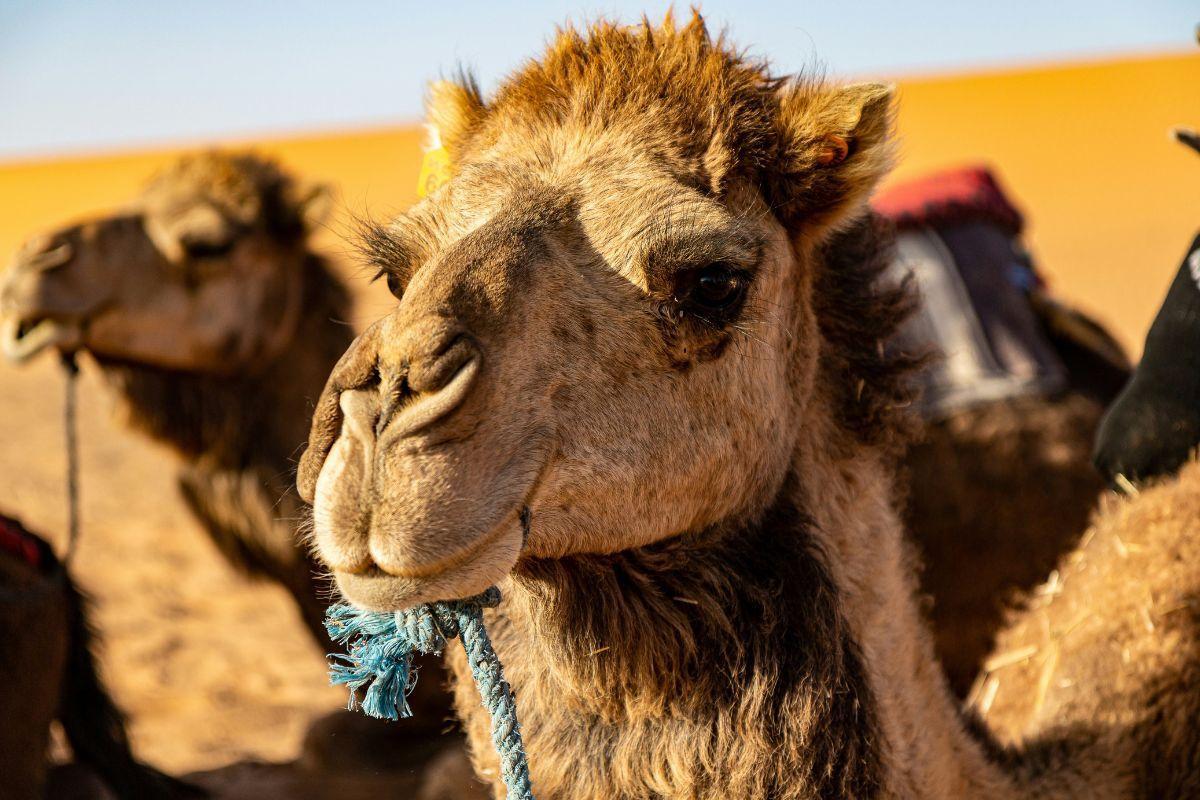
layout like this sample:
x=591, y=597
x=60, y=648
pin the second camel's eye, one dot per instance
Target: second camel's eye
x=202, y=248
x=716, y=287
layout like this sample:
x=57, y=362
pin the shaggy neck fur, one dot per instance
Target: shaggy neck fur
x=710, y=639
x=777, y=659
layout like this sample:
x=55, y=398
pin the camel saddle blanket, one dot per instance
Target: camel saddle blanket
x=958, y=237
x=18, y=542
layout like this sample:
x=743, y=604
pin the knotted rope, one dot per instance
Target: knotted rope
x=380, y=650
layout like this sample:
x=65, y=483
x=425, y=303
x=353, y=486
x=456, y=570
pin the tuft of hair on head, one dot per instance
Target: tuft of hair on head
x=453, y=109
x=250, y=188
x=817, y=150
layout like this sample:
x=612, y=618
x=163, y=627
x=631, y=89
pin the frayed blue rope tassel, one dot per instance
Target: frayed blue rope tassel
x=380, y=650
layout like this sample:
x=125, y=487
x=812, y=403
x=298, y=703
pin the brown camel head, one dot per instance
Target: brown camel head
x=201, y=273
x=605, y=332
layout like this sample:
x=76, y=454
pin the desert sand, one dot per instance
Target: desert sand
x=215, y=670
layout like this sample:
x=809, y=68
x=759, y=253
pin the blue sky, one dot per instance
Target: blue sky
x=101, y=74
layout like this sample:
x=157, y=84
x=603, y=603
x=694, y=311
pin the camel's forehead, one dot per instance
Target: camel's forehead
x=166, y=198
x=626, y=199
x=587, y=156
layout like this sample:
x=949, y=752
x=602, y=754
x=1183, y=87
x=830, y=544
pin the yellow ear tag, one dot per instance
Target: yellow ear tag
x=435, y=171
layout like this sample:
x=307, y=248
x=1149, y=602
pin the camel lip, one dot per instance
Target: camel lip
x=475, y=568
x=445, y=562
x=22, y=338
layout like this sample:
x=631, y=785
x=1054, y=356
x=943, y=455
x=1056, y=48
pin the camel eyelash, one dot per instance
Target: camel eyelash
x=379, y=246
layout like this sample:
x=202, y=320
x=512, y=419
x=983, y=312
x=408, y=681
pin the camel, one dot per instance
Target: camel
x=47, y=672
x=637, y=377
x=995, y=495
x=998, y=483
x=216, y=324
x=191, y=300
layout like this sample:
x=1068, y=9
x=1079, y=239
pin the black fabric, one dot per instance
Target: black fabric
x=1155, y=422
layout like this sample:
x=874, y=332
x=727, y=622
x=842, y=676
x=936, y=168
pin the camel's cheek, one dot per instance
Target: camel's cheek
x=202, y=329
x=665, y=456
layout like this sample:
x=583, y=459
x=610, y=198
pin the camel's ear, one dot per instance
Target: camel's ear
x=453, y=109
x=315, y=205
x=1188, y=137
x=836, y=147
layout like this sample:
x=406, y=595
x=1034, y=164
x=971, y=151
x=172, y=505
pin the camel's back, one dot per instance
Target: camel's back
x=1111, y=644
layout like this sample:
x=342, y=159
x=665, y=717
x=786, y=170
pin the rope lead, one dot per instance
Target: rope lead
x=70, y=428
x=379, y=659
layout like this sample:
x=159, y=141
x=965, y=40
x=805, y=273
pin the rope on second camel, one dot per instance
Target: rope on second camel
x=379, y=659
x=70, y=429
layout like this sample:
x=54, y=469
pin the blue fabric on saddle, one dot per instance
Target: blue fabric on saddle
x=959, y=237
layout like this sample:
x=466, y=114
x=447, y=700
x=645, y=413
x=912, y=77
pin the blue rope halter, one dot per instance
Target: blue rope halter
x=381, y=647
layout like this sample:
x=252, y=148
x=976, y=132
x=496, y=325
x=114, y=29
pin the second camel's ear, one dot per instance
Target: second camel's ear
x=315, y=205
x=837, y=145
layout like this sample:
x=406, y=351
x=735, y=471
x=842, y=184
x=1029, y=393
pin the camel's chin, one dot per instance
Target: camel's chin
x=22, y=340
x=377, y=590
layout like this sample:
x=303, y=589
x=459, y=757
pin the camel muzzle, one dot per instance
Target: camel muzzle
x=33, y=317
x=436, y=425
x=416, y=495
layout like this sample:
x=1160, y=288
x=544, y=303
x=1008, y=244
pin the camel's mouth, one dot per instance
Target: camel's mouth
x=464, y=573
x=22, y=338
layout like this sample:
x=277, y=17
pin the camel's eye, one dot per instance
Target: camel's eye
x=202, y=248
x=394, y=284
x=716, y=287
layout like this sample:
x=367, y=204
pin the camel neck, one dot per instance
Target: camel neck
x=931, y=748
x=788, y=656
x=720, y=643
x=931, y=751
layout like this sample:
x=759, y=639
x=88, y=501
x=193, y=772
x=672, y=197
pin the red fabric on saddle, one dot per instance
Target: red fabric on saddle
x=19, y=542
x=959, y=195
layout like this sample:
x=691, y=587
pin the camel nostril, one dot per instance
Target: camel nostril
x=408, y=407
x=47, y=255
x=443, y=362
x=392, y=396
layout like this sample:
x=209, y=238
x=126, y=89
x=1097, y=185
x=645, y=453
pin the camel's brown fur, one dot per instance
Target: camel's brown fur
x=995, y=495
x=1110, y=646
x=34, y=627
x=708, y=591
